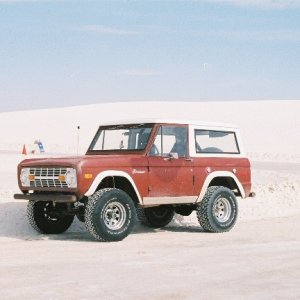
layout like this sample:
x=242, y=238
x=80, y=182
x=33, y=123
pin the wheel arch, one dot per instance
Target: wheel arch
x=222, y=178
x=116, y=179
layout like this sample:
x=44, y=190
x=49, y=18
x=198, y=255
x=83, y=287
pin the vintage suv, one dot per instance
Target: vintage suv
x=150, y=169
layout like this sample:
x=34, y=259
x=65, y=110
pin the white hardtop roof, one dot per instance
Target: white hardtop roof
x=169, y=121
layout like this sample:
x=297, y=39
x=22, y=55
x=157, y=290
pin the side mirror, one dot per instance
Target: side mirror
x=173, y=155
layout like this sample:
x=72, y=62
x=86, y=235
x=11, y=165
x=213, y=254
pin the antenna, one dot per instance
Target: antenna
x=78, y=129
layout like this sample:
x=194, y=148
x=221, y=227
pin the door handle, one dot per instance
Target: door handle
x=189, y=159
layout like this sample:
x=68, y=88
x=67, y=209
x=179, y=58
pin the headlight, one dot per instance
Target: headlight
x=71, y=178
x=24, y=177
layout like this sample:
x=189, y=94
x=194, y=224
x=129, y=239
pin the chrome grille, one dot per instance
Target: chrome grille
x=48, y=177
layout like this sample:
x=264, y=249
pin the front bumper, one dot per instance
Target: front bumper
x=47, y=197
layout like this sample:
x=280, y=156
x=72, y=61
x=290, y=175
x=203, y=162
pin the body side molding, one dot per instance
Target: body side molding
x=152, y=201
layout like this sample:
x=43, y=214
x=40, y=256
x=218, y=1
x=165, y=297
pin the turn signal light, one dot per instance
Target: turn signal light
x=61, y=178
x=88, y=176
x=31, y=177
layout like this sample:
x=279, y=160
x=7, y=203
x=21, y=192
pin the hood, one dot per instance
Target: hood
x=90, y=161
x=71, y=161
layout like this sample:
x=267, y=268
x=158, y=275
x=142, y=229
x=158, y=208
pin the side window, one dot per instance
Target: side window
x=211, y=141
x=170, y=139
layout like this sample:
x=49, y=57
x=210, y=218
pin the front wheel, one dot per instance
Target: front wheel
x=156, y=217
x=110, y=215
x=218, y=210
x=44, y=217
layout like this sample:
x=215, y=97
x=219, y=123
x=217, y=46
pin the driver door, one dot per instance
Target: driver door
x=170, y=167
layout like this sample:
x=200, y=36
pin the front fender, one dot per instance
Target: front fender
x=111, y=173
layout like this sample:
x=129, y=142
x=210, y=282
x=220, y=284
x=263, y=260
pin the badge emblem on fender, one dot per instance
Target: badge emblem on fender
x=135, y=171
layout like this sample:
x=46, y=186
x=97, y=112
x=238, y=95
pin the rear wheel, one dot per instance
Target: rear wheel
x=110, y=215
x=156, y=217
x=47, y=218
x=218, y=210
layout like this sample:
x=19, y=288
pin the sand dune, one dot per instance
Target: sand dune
x=270, y=129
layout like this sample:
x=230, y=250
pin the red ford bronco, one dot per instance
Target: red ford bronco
x=150, y=170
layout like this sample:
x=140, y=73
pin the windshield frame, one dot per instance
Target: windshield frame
x=119, y=151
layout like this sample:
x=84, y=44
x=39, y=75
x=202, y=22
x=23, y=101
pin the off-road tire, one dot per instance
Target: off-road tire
x=42, y=221
x=80, y=218
x=99, y=208
x=155, y=217
x=225, y=218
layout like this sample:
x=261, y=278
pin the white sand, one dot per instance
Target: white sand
x=258, y=259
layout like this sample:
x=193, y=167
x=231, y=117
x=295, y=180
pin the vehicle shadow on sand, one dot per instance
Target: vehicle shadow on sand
x=182, y=228
x=14, y=224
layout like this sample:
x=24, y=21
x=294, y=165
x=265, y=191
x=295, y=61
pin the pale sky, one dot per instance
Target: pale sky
x=62, y=53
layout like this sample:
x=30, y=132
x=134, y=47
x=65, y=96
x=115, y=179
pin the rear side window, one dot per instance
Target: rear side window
x=211, y=141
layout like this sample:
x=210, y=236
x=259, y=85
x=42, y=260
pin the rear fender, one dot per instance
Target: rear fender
x=216, y=174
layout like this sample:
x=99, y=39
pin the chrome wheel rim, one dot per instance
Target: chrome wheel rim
x=222, y=210
x=114, y=215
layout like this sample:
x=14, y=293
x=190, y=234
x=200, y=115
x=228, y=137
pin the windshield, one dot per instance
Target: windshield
x=122, y=138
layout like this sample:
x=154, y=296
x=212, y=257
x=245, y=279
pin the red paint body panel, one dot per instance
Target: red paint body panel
x=95, y=164
x=170, y=177
x=241, y=166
